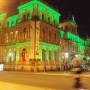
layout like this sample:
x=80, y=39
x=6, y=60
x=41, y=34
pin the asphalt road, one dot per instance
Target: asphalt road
x=42, y=80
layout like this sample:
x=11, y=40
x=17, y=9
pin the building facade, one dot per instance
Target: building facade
x=87, y=49
x=32, y=40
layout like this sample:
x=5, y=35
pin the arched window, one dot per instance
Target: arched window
x=23, y=55
x=11, y=35
x=24, y=33
x=16, y=35
x=6, y=38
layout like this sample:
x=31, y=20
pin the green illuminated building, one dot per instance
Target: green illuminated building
x=32, y=40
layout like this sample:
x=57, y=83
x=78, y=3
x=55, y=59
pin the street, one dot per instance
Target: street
x=39, y=81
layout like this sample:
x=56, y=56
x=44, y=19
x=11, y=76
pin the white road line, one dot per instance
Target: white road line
x=63, y=74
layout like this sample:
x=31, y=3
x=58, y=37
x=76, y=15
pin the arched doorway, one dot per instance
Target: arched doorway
x=23, y=55
x=11, y=56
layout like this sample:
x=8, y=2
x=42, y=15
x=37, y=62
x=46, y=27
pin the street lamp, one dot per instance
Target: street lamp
x=66, y=55
x=88, y=58
x=10, y=54
x=76, y=56
x=1, y=67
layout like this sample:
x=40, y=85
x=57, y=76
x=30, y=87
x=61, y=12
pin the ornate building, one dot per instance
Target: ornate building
x=87, y=48
x=32, y=39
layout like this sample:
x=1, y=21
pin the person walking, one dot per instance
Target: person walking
x=77, y=79
x=77, y=70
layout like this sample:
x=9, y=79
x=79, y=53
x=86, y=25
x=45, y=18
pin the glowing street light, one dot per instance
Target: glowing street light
x=1, y=67
x=66, y=55
x=10, y=54
x=88, y=58
x=76, y=55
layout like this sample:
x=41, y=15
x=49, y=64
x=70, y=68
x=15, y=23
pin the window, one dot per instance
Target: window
x=28, y=34
x=49, y=36
x=24, y=17
x=11, y=34
x=8, y=25
x=24, y=33
x=44, y=55
x=42, y=17
x=44, y=35
x=49, y=19
x=12, y=23
x=16, y=35
x=6, y=37
x=28, y=15
x=54, y=22
x=23, y=55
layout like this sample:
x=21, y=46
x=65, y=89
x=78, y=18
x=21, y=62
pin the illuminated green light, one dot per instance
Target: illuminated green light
x=19, y=43
x=39, y=3
x=34, y=0
x=16, y=44
x=53, y=11
x=50, y=13
x=13, y=20
x=48, y=47
x=62, y=33
x=75, y=38
x=54, y=17
x=77, y=41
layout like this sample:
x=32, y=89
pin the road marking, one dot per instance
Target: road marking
x=63, y=74
x=51, y=74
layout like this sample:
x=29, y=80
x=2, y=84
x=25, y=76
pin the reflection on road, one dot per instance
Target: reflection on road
x=13, y=86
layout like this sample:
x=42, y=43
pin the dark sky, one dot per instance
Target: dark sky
x=81, y=11
x=79, y=8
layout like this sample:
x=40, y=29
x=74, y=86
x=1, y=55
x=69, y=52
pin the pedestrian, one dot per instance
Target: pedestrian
x=77, y=80
x=77, y=69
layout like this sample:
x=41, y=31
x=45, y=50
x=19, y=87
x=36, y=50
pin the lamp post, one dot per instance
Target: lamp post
x=76, y=56
x=66, y=55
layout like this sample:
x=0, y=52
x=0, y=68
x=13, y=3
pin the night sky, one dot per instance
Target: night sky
x=81, y=11
x=79, y=8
